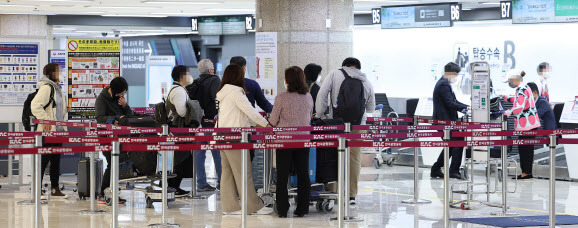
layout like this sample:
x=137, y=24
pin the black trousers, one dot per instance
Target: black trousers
x=183, y=168
x=106, y=176
x=299, y=160
x=456, y=154
x=54, y=160
x=526, y=156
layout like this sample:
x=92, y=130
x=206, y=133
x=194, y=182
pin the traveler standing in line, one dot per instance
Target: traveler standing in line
x=312, y=72
x=446, y=107
x=357, y=107
x=543, y=75
x=50, y=103
x=204, y=90
x=235, y=110
x=293, y=108
x=177, y=106
x=111, y=106
x=526, y=118
x=545, y=112
x=253, y=91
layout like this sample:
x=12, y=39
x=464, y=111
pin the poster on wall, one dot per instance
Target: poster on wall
x=92, y=64
x=59, y=57
x=159, y=78
x=266, y=63
x=18, y=72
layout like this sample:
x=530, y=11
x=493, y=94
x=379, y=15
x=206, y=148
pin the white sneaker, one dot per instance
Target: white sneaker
x=43, y=197
x=263, y=211
x=232, y=213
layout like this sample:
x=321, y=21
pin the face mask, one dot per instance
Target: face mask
x=318, y=79
x=189, y=80
x=546, y=75
x=511, y=84
x=286, y=86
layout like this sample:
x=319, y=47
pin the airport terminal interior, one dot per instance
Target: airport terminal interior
x=288, y=113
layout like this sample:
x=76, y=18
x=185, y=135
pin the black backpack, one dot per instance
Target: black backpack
x=161, y=111
x=199, y=92
x=27, y=111
x=350, y=101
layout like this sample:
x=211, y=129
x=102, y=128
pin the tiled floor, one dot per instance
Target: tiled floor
x=379, y=205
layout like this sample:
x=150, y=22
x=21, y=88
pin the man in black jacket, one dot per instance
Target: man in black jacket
x=204, y=90
x=111, y=106
x=446, y=107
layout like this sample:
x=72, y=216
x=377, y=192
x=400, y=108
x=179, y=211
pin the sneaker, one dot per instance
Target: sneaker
x=57, y=194
x=181, y=193
x=102, y=200
x=43, y=197
x=232, y=213
x=263, y=211
x=206, y=188
x=352, y=201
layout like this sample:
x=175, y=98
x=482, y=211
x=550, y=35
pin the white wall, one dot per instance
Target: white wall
x=405, y=62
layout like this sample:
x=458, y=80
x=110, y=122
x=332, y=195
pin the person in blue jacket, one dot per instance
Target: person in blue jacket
x=252, y=91
x=446, y=107
x=545, y=112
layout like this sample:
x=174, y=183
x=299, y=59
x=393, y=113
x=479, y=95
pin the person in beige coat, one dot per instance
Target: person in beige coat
x=235, y=110
x=56, y=109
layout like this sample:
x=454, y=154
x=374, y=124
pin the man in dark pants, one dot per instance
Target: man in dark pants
x=446, y=107
x=253, y=91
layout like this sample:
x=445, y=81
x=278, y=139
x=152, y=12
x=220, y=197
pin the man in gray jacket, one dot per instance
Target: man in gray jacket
x=330, y=89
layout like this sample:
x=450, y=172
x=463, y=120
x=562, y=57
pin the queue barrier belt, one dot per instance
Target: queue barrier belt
x=446, y=122
x=515, y=133
x=390, y=119
x=425, y=127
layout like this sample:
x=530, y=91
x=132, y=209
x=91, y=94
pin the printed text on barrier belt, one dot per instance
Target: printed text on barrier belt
x=567, y=141
x=76, y=124
x=446, y=122
x=450, y=143
x=55, y=150
x=389, y=119
x=82, y=133
x=347, y=136
x=257, y=129
x=229, y=146
x=108, y=140
x=425, y=127
x=515, y=133
x=17, y=141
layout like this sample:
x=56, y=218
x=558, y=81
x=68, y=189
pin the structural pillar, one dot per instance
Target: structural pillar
x=308, y=31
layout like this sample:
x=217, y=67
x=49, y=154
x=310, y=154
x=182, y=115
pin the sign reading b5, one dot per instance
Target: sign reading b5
x=376, y=16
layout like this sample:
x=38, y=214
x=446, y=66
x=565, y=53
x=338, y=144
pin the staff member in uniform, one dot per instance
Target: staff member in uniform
x=545, y=112
x=446, y=107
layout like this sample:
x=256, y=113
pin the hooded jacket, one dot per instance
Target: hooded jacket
x=235, y=110
x=108, y=108
x=332, y=84
x=42, y=98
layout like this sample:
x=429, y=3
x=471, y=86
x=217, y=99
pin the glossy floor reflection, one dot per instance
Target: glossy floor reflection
x=379, y=205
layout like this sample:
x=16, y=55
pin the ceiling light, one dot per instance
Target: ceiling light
x=16, y=5
x=362, y=11
x=142, y=30
x=64, y=28
x=491, y=3
x=231, y=10
x=180, y=14
x=392, y=1
x=183, y=2
x=131, y=15
x=466, y=9
x=122, y=7
x=84, y=31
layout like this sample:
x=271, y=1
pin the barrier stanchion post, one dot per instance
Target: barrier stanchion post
x=552, y=203
x=504, y=156
x=194, y=194
x=340, y=182
x=347, y=179
x=92, y=178
x=416, y=199
x=30, y=201
x=164, y=184
x=244, y=167
x=266, y=171
x=10, y=129
x=114, y=181
x=447, y=136
x=37, y=184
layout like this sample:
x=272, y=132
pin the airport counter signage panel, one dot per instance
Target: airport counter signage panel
x=426, y=16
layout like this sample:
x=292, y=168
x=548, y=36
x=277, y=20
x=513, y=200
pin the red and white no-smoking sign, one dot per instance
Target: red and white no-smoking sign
x=72, y=45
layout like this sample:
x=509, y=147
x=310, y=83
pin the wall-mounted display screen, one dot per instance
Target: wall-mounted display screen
x=544, y=11
x=416, y=16
x=229, y=25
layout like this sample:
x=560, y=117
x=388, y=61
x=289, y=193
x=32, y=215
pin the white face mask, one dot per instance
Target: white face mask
x=319, y=79
x=189, y=80
x=545, y=75
x=286, y=86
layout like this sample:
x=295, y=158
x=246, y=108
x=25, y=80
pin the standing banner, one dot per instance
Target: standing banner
x=266, y=62
x=59, y=57
x=18, y=72
x=92, y=64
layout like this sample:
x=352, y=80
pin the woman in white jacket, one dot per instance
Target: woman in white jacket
x=235, y=110
x=45, y=107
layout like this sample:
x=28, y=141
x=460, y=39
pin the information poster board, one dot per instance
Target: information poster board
x=266, y=63
x=92, y=64
x=544, y=11
x=159, y=78
x=18, y=72
x=570, y=112
x=59, y=57
x=426, y=16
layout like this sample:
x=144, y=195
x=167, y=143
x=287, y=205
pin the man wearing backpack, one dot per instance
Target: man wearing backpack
x=351, y=96
x=204, y=89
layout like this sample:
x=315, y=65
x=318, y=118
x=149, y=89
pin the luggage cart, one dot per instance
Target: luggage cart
x=384, y=155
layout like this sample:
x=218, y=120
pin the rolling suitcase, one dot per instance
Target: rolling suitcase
x=83, y=180
x=326, y=168
x=142, y=162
